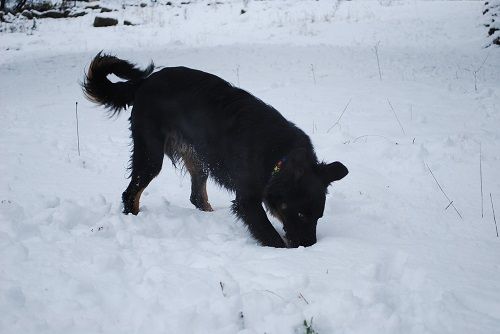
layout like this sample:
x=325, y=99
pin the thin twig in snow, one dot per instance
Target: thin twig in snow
x=494, y=217
x=238, y=74
x=484, y=62
x=481, y=179
x=342, y=114
x=375, y=49
x=314, y=75
x=395, y=115
x=441, y=188
x=274, y=293
x=222, y=288
x=77, y=130
x=301, y=296
x=380, y=136
x=475, y=72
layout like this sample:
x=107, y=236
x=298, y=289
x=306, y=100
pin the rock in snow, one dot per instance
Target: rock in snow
x=100, y=21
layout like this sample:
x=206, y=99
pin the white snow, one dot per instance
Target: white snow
x=389, y=259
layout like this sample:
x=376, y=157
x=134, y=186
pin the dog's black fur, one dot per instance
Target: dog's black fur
x=219, y=130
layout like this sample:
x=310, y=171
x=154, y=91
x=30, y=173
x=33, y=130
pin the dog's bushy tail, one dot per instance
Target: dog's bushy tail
x=114, y=96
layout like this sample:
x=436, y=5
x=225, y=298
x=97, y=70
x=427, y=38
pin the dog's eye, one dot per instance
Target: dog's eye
x=301, y=215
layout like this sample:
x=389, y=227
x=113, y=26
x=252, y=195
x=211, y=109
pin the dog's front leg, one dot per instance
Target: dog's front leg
x=254, y=216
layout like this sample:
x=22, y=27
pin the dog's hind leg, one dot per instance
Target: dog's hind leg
x=199, y=176
x=147, y=159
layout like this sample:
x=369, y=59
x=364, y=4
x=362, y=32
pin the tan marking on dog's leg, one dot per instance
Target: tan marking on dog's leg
x=135, y=209
x=195, y=169
x=204, y=195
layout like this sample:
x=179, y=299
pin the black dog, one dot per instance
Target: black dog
x=216, y=129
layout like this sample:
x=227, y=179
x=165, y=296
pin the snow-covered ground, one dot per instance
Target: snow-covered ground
x=392, y=255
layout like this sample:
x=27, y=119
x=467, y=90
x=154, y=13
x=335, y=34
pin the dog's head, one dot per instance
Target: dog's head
x=296, y=195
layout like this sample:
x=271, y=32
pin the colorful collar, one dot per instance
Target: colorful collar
x=278, y=166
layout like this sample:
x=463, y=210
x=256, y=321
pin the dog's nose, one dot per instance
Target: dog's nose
x=309, y=242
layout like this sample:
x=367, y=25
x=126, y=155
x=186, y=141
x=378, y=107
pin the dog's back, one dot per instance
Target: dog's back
x=238, y=136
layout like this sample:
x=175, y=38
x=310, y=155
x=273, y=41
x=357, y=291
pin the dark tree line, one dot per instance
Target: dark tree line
x=18, y=6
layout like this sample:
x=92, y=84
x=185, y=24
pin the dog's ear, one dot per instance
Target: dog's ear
x=332, y=172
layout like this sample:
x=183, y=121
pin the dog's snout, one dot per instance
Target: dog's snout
x=304, y=242
x=309, y=242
